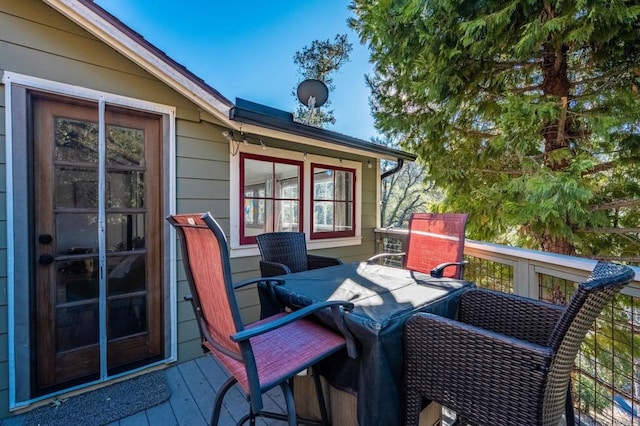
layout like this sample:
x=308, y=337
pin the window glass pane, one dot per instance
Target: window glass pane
x=287, y=215
x=344, y=185
x=287, y=180
x=343, y=216
x=322, y=184
x=257, y=217
x=323, y=216
x=258, y=176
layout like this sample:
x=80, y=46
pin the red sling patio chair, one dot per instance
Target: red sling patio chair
x=435, y=245
x=286, y=253
x=508, y=359
x=259, y=356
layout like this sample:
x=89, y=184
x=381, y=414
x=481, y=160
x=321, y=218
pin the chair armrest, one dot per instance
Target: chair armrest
x=374, y=259
x=271, y=269
x=443, y=354
x=287, y=319
x=516, y=316
x=438, y=270
x=315, y=261
x=249, y=281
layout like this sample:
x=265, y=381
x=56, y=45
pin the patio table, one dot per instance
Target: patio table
x=384, y=298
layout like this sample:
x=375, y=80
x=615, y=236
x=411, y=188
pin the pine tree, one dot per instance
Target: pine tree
x=526, y=113
x=319, y=61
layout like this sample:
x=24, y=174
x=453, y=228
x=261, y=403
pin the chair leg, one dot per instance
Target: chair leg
x=215, y=416
x=321, y=402
x=291, y=405
x=570, y=417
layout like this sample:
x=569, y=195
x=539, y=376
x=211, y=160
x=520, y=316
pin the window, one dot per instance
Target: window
x=275, y=189
x=333, y=201
x=272, y=196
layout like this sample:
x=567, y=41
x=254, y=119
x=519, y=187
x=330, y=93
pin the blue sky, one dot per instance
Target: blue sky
x=245, y=49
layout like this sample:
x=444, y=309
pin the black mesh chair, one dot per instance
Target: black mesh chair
x=286, y=253
x=508, y=359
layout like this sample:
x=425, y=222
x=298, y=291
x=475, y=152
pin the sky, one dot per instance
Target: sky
x=245, y=48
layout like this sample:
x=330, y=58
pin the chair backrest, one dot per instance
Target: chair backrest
x=606, y=280
x=289, y=248
x=205, y=255
x=435, y=238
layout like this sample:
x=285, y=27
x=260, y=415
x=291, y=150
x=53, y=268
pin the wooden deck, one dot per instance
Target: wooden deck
x=192, y=387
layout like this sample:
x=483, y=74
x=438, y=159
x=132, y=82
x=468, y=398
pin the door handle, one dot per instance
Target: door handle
x=45, y=239
x=45, y=259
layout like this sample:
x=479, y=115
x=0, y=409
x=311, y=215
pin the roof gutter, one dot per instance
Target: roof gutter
x=395, y=170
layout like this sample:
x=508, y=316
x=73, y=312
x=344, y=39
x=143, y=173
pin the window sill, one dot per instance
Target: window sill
x=252, y=249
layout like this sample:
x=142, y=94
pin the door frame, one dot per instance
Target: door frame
x=18, y=199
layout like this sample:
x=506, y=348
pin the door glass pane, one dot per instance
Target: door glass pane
x=76, y=141
x=77, y=326
x=125, y=189
x=76, y=187
x=77, y=279
x=76, y=233
x=126, y=274
x=125, y=232
x=125, y=146
x=127, y=316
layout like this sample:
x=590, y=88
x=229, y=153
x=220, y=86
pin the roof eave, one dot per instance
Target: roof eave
x=248, y=116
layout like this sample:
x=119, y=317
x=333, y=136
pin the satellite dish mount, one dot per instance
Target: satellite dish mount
x=313, y=94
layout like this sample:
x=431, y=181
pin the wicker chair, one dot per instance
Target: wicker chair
x=435, y=245
x=508, y=359
x=263, y=355
x=286, y=253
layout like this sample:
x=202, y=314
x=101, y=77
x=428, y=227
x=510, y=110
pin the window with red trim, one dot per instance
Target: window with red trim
x=333, y=201
x=271, y=198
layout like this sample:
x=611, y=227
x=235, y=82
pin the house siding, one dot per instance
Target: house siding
x=36, y=40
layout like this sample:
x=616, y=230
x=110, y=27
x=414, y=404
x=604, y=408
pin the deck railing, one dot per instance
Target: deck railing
x=607, y=378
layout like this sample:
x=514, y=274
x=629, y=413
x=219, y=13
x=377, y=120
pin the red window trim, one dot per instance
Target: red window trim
x=244, y=155
x=333, y=234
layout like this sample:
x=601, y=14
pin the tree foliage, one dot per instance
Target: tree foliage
x=319, y=61
x=404, y=191
x=526, y=113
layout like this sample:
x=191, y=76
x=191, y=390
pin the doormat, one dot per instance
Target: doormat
x=104, y=405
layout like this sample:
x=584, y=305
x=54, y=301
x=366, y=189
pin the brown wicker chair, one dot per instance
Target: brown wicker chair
x=435, y=245
x=508, y=359
x=286, y=253
x=263, y=355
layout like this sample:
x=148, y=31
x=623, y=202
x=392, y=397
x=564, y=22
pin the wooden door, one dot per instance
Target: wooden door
x=98, y=278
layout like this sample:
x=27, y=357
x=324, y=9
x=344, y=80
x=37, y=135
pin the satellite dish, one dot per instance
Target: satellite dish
x=312, y=93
